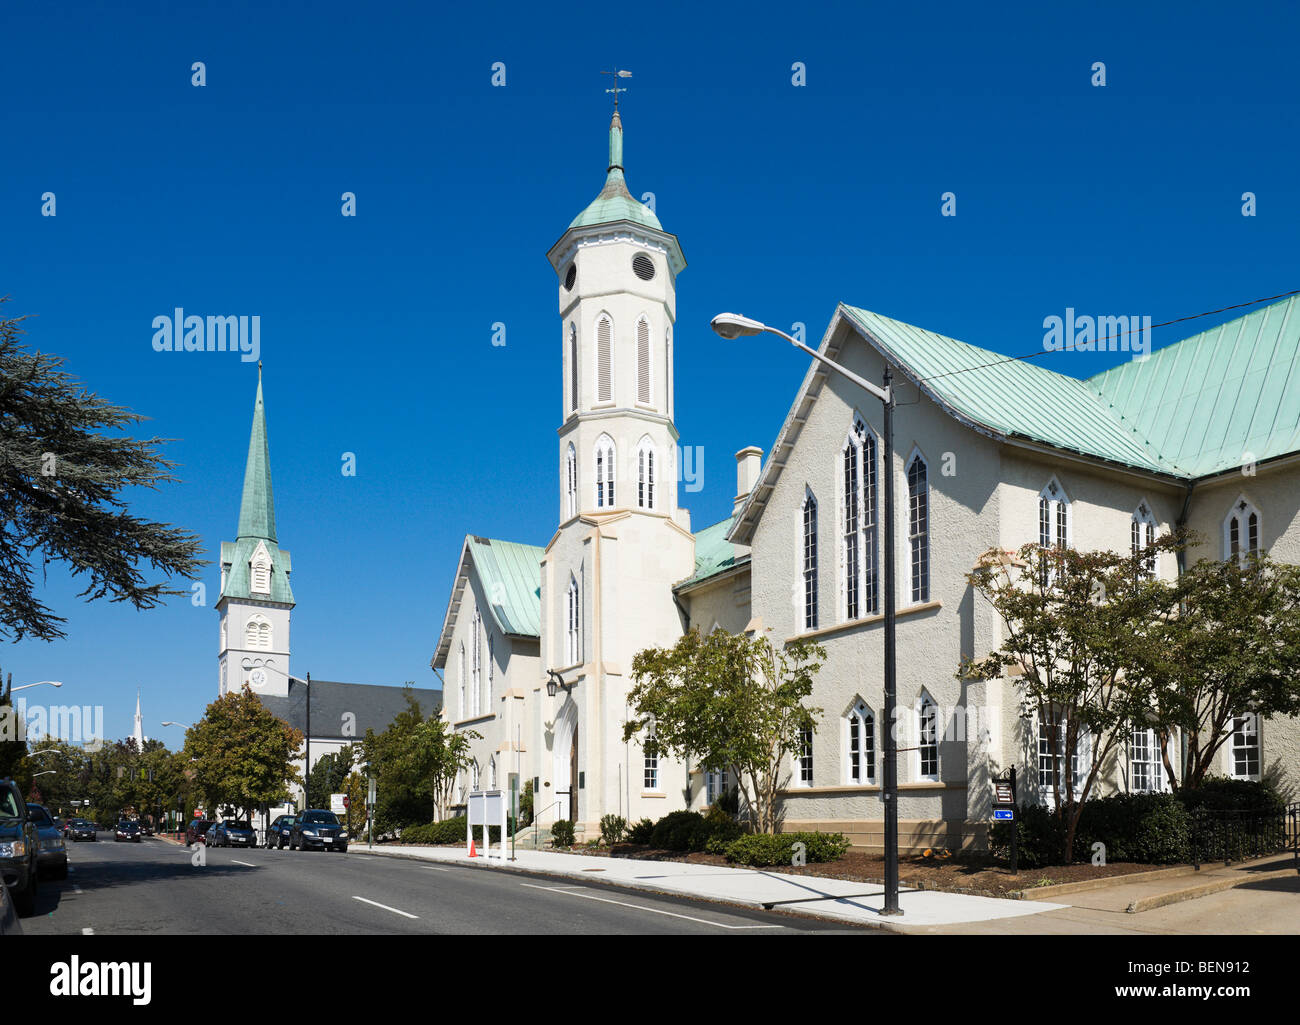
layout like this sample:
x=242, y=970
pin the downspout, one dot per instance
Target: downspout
x=1182, y=568
x=681, y=611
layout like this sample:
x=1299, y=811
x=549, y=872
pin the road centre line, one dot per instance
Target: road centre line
x=376, y=903
x=249, y=864
x=570, y=892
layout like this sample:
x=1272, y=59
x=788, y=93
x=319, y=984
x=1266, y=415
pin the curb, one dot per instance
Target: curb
x=1161, y=900
x=1082, y=885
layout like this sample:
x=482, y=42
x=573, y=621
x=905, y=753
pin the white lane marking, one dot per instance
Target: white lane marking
x=435, y=868
x=76, y=888
x=88, y=931
x=249, y=864
x=376, y=903
x=569, y=892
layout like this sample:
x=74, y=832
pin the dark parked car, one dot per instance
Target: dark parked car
x=277, y=835
x=127, y=830
x=233, y=834
x=8, y=915
x=197, y=831
x=51, y=852
x=318, y=828
x=210, y=835
x=82, y=829
x=18, y=848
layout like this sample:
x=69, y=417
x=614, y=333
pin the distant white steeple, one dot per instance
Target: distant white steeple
x=138, y=732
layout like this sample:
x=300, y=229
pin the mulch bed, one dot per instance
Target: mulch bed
x=976, y=874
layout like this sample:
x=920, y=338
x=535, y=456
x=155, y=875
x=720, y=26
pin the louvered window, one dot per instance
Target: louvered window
x=643, y=361
x=571, y=480
x=604, y=357
x=573, y=368
x=575, y=618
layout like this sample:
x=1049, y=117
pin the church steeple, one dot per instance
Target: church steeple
x=257, y=508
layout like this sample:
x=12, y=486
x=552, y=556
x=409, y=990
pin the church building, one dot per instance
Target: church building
x=990, y=454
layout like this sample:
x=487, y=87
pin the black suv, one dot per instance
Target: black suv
x=279, y=831
x=318, y=828
x=18, y=847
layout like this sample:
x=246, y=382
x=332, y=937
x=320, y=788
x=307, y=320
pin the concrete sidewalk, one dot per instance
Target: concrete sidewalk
x=857, y=903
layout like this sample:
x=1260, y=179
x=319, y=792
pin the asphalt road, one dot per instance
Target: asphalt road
x=152, y=888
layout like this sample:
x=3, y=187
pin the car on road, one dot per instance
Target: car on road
x=210, y=836
x=18, y=848
x=318, y=828
x=8, y=915
x=127, y=830
x=82, y=829
x=51, y=852
x=233, y=833
x=197, y=831
x=278, y=833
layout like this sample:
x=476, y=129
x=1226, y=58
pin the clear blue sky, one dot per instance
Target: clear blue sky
x=376, y=330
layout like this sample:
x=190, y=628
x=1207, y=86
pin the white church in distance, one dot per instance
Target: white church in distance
x=1102, y=462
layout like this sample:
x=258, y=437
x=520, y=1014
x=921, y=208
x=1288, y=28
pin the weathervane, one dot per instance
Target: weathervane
x=616, y=90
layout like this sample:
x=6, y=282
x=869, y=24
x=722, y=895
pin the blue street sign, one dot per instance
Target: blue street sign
x=1003, y=813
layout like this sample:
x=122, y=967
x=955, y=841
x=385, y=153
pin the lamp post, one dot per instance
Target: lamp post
x=731, y=326
x=38, y=683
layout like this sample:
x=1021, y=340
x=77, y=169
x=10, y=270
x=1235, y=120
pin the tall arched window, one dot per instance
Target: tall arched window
x=571, y=480
x=604, y=359
x=492, y=772
x=574, y=622
x=460, y=679
x=668, y=366
x=1241, y=531
x=927, y=739
x=645, y=471
x=643, y=392
x=861, y=761
x=573, y=367
x=1054, y=524
x=918, y=527
x=476, y=671
x=605, y=455
x=1142, y=538
x=809, y=525
x=861, y=581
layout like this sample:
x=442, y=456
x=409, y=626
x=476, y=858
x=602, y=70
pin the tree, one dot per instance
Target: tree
x=727, y=701
x=243, y=756
x=330, y=772
x=1072, y=622
x=61, y=484
x=1228, y=645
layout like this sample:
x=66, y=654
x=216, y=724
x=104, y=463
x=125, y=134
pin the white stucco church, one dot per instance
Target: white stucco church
x=1102, y=462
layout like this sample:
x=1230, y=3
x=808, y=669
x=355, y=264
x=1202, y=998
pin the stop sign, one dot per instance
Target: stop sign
x=347, y=801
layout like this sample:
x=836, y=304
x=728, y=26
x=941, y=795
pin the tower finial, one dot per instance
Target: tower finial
x=617, y=73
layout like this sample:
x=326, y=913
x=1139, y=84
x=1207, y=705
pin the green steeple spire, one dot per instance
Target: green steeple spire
x=615, y=202
x=257, y=508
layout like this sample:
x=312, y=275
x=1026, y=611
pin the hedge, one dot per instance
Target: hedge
x=779, y=849
x=448, y=831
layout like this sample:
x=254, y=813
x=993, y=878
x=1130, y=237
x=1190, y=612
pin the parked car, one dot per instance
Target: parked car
x=51, y=852
x=278, y=833
x=82, y=829
x=127, y=830
x=18, y=848
x=318, y=828
x=8, y=914
x=233, y=833
x=210, y=836
x=197, y=831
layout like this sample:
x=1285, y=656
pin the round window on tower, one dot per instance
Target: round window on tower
x=643, y=267
x=571, y=276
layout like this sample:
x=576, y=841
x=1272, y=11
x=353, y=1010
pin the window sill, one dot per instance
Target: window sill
x=653, y=793
x=853, y=624
x=474, y=719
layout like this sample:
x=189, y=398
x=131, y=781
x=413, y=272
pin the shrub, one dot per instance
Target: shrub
x=1221, y=793
x=719, y=830
x=1039, y=834
x=641, y=832
x=1151, y=829
x=612, y=828
x=562, y=833
x=448, y=831
x=779, y=848
x=526, y=805
x=680, y=831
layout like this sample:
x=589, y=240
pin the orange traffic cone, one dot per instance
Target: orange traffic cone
x=472, y=853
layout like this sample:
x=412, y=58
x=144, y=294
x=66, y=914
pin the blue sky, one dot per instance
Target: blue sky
x=376, y=330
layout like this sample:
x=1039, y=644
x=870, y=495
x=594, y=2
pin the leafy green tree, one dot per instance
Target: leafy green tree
x=64, y=468
x=1071, y=624
x=330, y=772
x=242, y=755
x=62, y=787
x=728, y=700
x=12, y=748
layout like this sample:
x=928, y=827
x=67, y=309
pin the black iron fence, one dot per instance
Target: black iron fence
x=1238, y=835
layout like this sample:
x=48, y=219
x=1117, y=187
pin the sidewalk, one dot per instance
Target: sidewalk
x=852, y=902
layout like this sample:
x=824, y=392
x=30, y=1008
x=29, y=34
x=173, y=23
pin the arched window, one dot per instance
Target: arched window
x=460, y=679
x=918, y=527
x=257, y=633
x=574, y=622
x=1241, y=531
x=643, y=391
x=476, y=671
x=260, y=572
x=861, y=761
x=573, y=367
x=571, y=480
x=1054, y=522
x=861, y=581
x=927, y=716
x=474, y=774
x=804, y=758
x=604, y=359
x=809, y=518
x=668, y=365
x=645, y=471
x=605, y=456
x=1142, y=538
x=491, y=663
x=492, y=772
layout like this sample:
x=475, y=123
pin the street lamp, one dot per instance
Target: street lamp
x=38, y=683
x=731, y=326
x=47, y=772
x=554, y=681
x=184, y=725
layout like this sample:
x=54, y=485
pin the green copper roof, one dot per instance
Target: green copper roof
x=511, y=577
x=235, y=557
x=615, y=203
x=257, y=508
x=713, y=553
x=1011, y=397
x=1220, y=399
